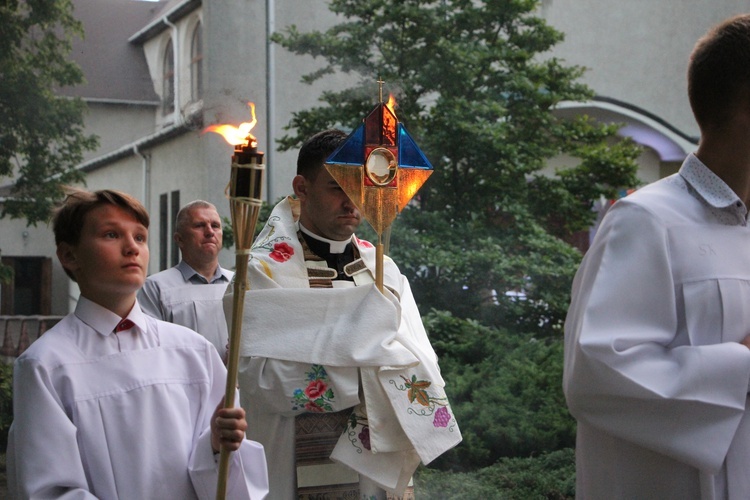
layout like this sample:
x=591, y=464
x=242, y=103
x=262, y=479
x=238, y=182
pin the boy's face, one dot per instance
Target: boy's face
x=111, y=259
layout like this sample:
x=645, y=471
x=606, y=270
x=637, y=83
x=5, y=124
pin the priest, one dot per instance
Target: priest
x=341, y=379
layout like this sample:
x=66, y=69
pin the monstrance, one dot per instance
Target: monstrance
x=380, y=168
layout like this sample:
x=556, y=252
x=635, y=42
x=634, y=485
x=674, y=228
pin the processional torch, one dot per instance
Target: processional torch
x=380, y=168
x=245, y=200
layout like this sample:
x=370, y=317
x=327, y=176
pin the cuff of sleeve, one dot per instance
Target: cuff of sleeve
x=204, y=457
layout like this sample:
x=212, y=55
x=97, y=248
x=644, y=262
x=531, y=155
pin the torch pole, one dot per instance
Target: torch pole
x=379, y=264
x=245, y=196
x=240, y=286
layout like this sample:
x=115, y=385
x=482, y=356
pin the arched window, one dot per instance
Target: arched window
x=168, y=80
x=196, y=64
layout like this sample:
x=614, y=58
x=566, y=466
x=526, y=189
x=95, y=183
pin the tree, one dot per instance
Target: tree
x=42, y=137
x=486, y=243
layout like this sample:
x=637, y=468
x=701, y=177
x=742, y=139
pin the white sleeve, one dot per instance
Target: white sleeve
x=624, y=372
x=247, y=478
x=43, y=456
x=248, y=472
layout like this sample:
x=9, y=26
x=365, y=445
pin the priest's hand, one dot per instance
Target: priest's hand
x=228, y=426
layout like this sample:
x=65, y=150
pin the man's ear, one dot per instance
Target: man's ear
x=67, y=256
x=299, y=185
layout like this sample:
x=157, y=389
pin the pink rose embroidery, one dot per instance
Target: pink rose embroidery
x=363, y=243
x=282, y=252
x=318, y=395
x=316, y=389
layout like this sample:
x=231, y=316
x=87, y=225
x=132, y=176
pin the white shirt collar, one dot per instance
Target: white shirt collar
x=103, y=320
x=707, y=184
x=335, y=246
x=188, y=273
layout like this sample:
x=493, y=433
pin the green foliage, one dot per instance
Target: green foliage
x=6, y=273
x=6, y=402
x=42, y=137
x=550, y=476
x=505, y=390
x=227, y=233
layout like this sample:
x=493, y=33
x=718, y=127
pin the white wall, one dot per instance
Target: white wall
x=116, y=125
x=637, y=50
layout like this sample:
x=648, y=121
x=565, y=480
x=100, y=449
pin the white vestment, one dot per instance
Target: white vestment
x=171, y=296
x=307, y=349
x=654, y=372
x=121, y=415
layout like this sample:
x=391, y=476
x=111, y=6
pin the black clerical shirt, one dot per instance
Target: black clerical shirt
x=335, y=261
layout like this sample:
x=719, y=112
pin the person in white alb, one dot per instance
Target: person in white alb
x=111, y=403
x=657, y=358
x=190, y=293
x=331, y=369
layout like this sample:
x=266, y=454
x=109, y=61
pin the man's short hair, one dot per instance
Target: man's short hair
x=69, y=216
x=315, y=150
x=183, y=216
x=719, y=72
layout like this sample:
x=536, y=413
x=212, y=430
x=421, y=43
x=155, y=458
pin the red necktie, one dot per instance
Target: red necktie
x=124, y=324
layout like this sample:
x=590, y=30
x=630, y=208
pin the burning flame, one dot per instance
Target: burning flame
x=237, y=135
x=391, y=104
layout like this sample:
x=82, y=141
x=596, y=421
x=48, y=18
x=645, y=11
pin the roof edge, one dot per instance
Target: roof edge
x=134, y=147
x=103, y=100
x=158, y=25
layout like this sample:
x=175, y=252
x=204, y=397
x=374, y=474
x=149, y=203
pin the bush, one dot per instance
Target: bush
x=550, y=476
x=505, y=390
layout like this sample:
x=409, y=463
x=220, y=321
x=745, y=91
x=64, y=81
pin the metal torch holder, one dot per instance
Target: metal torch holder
x=245, y=199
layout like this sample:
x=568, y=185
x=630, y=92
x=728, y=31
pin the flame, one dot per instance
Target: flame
x=237, y=135
x=391, y=103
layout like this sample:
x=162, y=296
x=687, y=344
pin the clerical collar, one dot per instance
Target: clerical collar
x=335, y=247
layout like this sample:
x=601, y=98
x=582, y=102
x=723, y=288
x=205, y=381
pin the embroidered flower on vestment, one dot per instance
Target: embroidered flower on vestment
x=317, y=396
x=424, y=404
x=316, y=389
x=363, y=243
x=312, y=407
x=282, y=252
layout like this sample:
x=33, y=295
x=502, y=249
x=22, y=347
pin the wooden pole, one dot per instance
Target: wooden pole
x=379, y=264
x=240, y=287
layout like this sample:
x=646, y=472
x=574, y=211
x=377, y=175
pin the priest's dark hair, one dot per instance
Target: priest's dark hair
x=315, y=150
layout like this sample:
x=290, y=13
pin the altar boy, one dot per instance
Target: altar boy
x=111, y=403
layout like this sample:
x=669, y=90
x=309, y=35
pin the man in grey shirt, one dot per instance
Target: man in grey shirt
x=190, y=293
